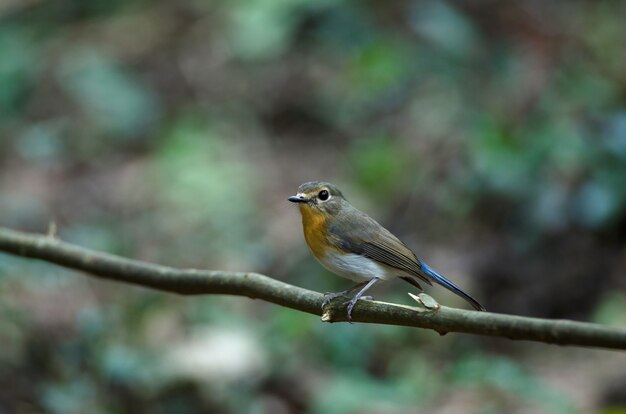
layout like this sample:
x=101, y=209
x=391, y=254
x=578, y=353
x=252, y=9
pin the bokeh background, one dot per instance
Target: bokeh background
x=490, y=136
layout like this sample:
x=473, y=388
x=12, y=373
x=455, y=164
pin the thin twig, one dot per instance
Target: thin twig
x=199, y=282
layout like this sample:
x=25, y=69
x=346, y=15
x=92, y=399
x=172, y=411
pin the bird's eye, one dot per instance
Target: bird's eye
x=323, y=195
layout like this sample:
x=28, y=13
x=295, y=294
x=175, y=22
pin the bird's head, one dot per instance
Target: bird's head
x=319, y=198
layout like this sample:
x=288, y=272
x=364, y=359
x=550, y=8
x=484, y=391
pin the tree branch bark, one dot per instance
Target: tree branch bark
x=257, y=286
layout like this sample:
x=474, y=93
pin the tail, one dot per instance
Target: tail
x=450, y=286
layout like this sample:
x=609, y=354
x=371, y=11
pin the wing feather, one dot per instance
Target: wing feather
x=372, y=240
x=395, y=255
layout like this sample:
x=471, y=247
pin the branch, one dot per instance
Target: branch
x=198, y=282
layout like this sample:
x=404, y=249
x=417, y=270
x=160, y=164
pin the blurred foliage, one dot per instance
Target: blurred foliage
x=490, y=136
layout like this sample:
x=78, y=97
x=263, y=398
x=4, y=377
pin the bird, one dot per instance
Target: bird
x=353, y=245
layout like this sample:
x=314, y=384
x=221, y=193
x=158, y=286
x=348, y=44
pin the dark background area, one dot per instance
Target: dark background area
x=489, y=136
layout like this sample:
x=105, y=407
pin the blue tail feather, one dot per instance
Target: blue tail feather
x=450, y=286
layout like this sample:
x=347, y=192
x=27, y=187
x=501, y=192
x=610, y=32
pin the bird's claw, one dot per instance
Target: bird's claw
x=353, y=302
x=329, y=296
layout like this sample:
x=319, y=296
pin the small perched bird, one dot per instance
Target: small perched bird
x=353, y=245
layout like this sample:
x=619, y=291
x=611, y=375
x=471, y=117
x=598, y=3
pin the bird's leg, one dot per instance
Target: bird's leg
x=358, y=296
x=328, y=296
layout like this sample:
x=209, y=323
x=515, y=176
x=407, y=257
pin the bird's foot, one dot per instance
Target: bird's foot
x=353, y=302
x=329, y=296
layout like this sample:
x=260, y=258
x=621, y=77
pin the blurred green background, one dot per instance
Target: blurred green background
x=490, y=136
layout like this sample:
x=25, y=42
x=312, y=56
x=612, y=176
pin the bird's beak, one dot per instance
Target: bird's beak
x=299, y=198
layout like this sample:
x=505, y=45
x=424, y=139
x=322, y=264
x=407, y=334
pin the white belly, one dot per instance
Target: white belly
x=356, y=267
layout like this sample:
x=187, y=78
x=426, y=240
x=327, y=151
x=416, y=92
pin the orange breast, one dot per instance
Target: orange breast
x=314, y=225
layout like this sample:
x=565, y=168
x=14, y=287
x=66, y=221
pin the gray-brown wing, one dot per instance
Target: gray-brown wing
x=360, y=234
